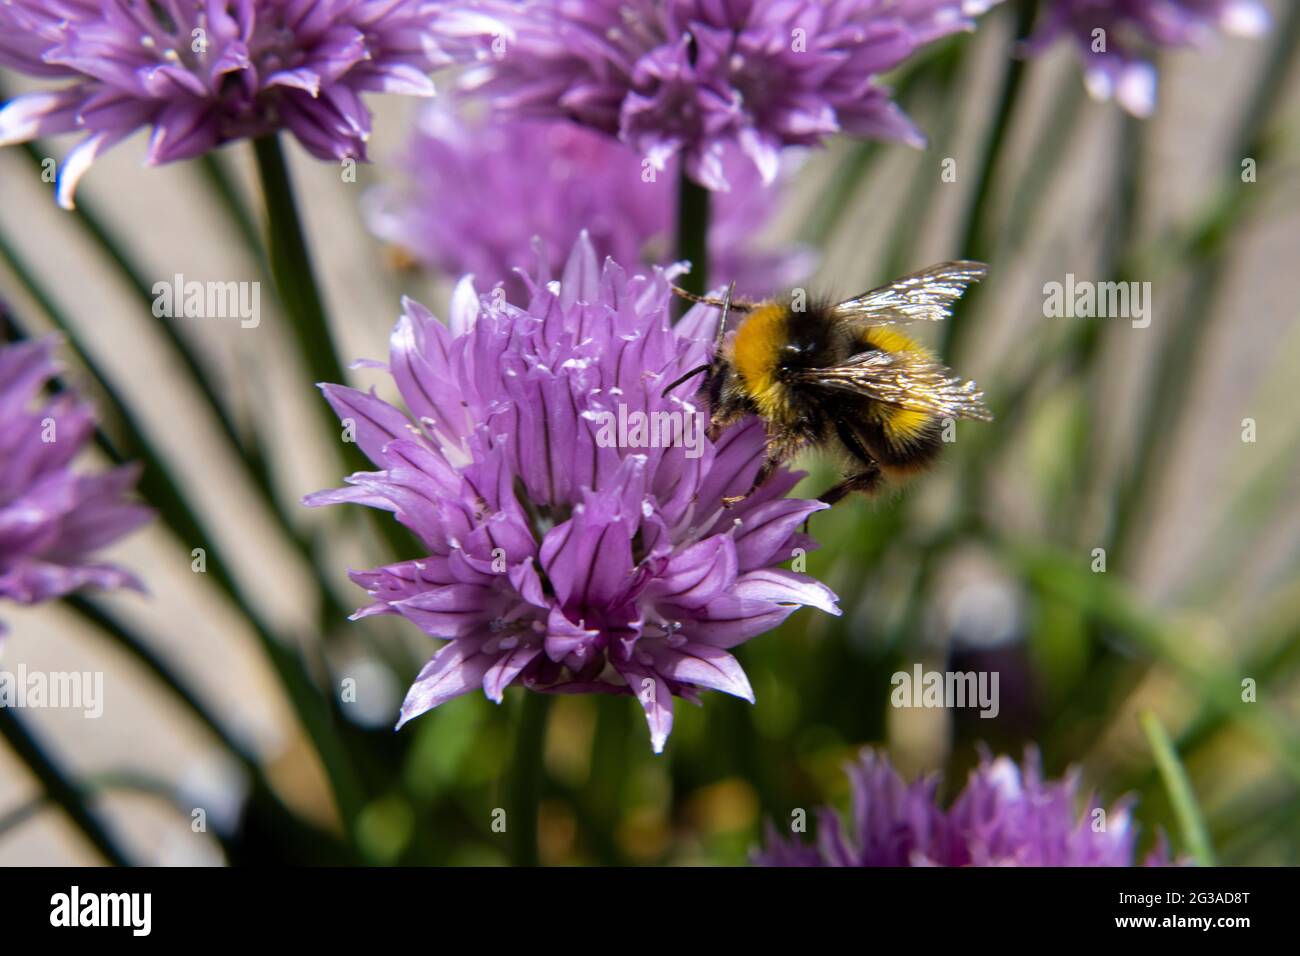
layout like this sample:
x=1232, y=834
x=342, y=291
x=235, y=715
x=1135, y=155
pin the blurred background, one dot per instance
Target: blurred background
x=1108, y=436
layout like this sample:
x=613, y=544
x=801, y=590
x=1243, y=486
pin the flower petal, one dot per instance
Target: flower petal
x=453, y=671
x=705, y=666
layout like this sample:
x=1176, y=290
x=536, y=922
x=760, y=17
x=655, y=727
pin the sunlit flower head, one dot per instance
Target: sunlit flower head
x=479, y=191
x=1115, y=37
x=691, y=78
x=52, y=517
x=570, y=516
x=1007, y=815
x=200, y=74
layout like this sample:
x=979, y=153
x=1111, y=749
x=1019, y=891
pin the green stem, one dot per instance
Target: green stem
x=219, y=180
x=604, y=792
x=526, y=777
x=693, y=211
x=298, y=290
x=291, y=264
x=1180, y=791
x=63, y=791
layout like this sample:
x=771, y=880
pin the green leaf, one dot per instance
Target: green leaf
x=1195, y=836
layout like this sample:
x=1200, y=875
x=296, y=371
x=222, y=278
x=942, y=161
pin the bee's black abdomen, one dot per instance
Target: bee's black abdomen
x=917, y=452
x=860, y=425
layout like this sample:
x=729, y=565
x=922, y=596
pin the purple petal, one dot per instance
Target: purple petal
x=705, y=666
x=376, y=422
x=506, y=669
x=656, y=700
x=453, y=671
x=697, y=575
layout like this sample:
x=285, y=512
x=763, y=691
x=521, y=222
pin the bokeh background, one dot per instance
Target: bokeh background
x=1107, y=436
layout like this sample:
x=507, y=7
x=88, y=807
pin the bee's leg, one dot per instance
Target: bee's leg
x=778, y=453
x=765, y=472
x=866, y=481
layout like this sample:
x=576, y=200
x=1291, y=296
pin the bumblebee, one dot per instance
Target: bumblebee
x=843, y=377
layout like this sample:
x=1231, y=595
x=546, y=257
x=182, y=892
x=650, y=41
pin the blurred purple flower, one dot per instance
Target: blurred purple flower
x=202, y=74
x=692, y=77
x=52, y=518
x=556, y=559
x=1007, y=816
x=1113, y=59
x=479, y=192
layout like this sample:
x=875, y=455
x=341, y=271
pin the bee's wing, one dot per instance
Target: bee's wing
x=927, y=295
x=910, y=380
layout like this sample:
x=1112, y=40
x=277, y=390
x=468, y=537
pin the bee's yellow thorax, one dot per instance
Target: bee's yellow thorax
x=756, y=349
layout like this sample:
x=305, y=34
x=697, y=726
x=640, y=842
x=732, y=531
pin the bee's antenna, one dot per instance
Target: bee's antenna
x=726, y=305
x=722, y=323
x=692, y=297
x=689, y=375
x=709, y=300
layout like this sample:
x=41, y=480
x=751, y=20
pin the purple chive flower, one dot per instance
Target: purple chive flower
x=560, y=555
x=693, y=77
x=201, y=73
x=1113, y=59
x=52, y=518
x=1007, y=816
x=479, y=192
